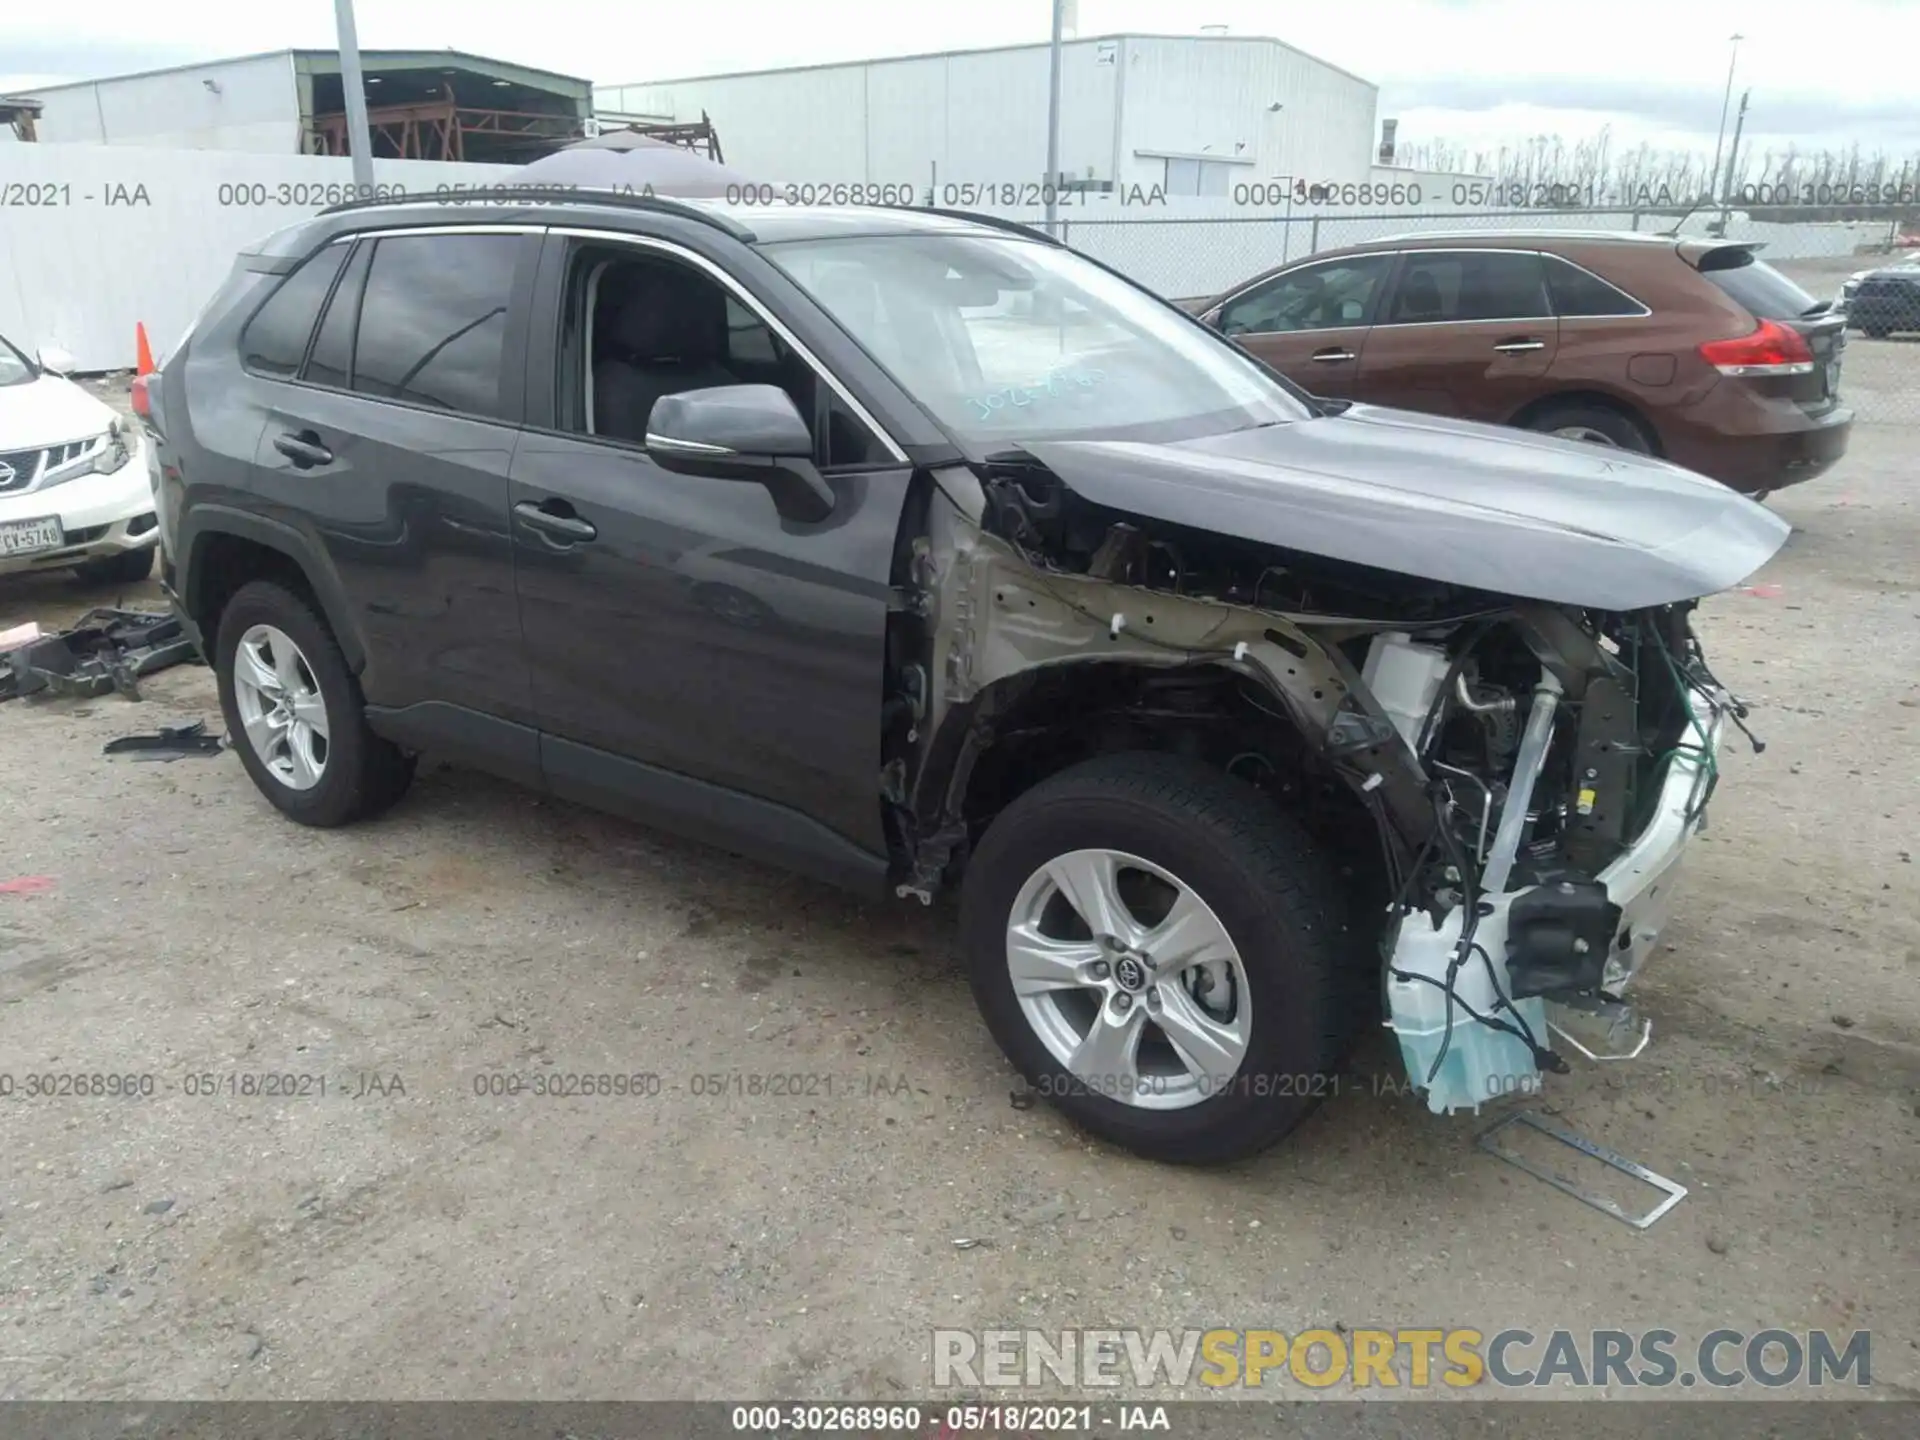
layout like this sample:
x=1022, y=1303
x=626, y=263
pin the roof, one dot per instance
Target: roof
x=1521, y=234
x=369, y=60
x=989, y=50
x=757, y=224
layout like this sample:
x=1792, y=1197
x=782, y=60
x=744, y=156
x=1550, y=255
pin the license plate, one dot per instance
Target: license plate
x=30, y=537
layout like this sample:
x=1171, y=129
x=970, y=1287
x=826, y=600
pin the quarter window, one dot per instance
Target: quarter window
x=1314, y=297
x=276, y=337
x=433, y=323
x=1442, y=285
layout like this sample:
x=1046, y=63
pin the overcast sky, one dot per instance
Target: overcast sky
x=1476, y=72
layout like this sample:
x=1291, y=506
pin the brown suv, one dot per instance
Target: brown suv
x=1693, y=350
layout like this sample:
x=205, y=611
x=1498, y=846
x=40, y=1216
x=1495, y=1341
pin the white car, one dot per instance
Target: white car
x=74, y=490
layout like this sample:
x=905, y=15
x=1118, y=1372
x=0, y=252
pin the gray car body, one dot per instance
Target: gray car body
x=1478, y=505
x=622, y=686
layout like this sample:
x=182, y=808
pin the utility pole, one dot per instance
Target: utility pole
x=1713, y=178
x=1733, y=154
x=1049, y=192
x=359, y=141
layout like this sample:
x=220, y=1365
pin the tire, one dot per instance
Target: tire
x=1257, y=874
x=359, y=774
x=1875, y=332
x=1602, y=426
x=129, y=567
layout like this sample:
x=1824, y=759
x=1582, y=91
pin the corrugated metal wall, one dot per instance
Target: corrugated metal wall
x=980, y=117
x=1214, y=97
x=116, y=234
x=249, y=104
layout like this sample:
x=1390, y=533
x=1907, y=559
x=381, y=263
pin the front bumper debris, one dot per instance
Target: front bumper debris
x=1450, y=1050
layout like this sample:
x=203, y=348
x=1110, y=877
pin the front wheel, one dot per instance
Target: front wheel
x=1161, y=952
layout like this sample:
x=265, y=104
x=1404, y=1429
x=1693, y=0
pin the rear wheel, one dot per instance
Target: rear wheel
x=1160, y=952
x=295, y=714
x=129, y=567
x=1593, y=423
x=1875, y=332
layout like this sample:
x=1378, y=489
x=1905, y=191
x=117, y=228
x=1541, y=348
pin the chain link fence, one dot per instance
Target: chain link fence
x=1192, y=257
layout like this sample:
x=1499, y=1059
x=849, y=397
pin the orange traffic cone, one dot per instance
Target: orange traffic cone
x=143, y=352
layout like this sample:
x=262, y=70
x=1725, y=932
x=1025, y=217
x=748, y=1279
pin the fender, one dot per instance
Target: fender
x=204, y=520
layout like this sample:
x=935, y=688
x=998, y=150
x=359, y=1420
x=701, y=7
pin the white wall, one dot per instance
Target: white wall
x=1211, y=96
x=1126, y=104
x=256, y=108
x=79, y=274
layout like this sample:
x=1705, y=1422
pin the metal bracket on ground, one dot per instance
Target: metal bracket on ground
x=1674, y=1193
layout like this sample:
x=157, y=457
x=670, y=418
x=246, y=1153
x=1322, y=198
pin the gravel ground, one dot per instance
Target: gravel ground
x=404, y=1236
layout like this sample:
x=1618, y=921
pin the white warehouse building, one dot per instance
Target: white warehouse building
x=1195, y=114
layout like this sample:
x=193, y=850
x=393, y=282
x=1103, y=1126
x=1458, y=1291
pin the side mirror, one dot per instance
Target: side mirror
x=56, y=360
x=1211, y=319
x=742, y=432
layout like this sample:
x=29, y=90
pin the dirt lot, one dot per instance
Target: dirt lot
x=403, y=1236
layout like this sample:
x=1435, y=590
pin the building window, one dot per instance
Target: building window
x=1198, y=177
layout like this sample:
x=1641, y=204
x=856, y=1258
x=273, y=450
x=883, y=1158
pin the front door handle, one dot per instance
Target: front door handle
x=1516, y=347
x=555, y=518
x=1329, y=356
x=303, y=448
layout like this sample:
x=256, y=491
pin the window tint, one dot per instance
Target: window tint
x=276, y=338
x=1469, y=285
x=434, y=319
x=1759, y=287
x=1576, y=292
x=333, y=346
x=1315, y=297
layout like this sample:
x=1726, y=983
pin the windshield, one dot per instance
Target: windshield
x=1006, y=340
x=14, y=367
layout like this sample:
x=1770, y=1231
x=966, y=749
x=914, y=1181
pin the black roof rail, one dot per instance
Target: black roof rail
x=551, y=196
x=976, y=217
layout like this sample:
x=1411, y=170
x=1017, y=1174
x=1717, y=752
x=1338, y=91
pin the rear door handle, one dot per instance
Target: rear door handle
x=303, y=448
x=1329, y=356
x=555, y=518
x=1515, y=347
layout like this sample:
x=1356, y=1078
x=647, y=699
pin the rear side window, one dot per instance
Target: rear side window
x=1756, y=285
x=1442, y=285
x=333, y=346
x=275, y=341
x=433, y=322
x=1578, y=293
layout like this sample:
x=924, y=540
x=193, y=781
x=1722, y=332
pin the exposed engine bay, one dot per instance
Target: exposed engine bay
x=1508, y=782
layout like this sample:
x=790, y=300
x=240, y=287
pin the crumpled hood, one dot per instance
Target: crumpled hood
x=1479, y=505
x=49, y=411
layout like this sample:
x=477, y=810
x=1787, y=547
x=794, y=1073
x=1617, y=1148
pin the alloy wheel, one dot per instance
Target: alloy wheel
x=282, y=712
x=1129, y=979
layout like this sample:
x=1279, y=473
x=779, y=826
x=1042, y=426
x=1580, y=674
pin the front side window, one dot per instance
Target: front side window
x=433, y=321
x=276, y=337
x=1444, y=285
x=1005, y=340
x=1314, y=297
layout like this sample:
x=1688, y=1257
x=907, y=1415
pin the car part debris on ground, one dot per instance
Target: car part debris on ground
x=169, y=742
x=107, y=650
x=1672, y=1192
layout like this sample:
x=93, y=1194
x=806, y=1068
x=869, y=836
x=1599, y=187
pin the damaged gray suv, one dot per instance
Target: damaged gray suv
x=913, y=550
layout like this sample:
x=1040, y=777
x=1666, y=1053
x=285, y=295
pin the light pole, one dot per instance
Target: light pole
x=1713, y=179
x=1048, y=191
x=359, y=142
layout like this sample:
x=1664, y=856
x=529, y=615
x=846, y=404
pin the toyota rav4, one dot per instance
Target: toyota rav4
x=913, y=550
